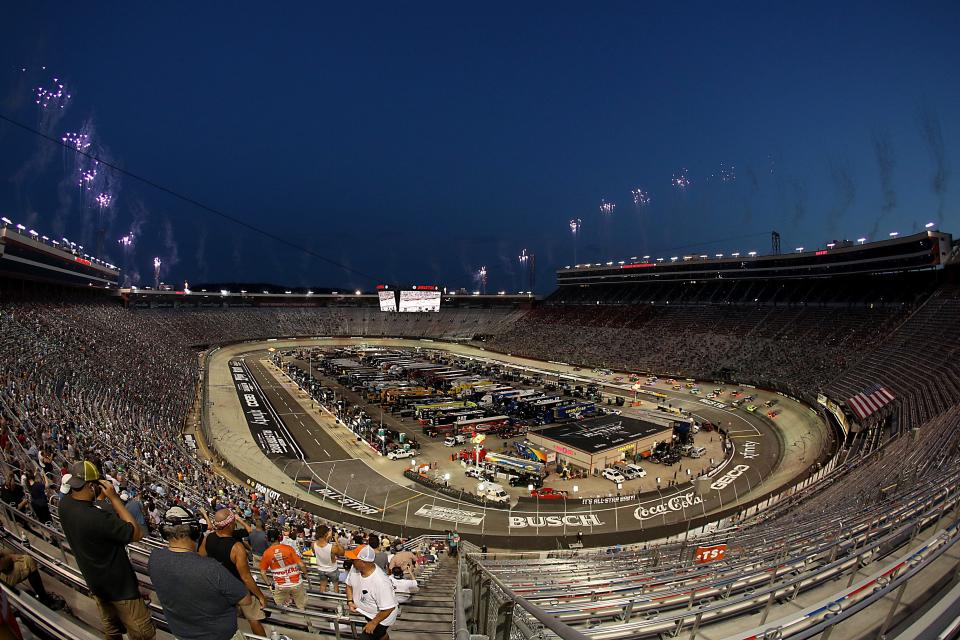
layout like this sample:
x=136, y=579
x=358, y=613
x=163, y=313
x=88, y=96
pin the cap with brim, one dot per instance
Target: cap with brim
x=81, y=473
x=363, y=552
x=176, y=514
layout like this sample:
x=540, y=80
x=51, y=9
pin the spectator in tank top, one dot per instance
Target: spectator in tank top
x=326, y=552
x=224, y=545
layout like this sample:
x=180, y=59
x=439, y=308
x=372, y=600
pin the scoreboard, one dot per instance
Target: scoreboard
x=428, y=301
x=418, y=298
x=388, y=300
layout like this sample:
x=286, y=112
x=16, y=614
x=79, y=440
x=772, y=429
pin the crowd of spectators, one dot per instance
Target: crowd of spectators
x=98, y=382
x=792, y=348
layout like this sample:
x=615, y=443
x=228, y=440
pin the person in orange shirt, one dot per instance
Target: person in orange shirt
x=288, y=570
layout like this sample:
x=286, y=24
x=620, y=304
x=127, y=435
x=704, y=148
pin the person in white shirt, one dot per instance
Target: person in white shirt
x=325, y=552
x=403, y=588
x=370, y=593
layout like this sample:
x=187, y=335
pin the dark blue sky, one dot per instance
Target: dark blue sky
x=416, y=142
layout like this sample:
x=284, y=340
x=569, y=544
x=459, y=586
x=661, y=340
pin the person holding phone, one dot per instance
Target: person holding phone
x=98, y=539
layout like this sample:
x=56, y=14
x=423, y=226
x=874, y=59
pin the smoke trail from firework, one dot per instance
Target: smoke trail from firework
x=157, y=263
x=200, y=258
x=170, y=243
x=886, y=165
x=929, y=122
x=845, y=189
x=681, y=180
x=799, y=204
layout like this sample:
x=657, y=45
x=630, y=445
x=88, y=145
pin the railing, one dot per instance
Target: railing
x=501, y=614
x=49, y=622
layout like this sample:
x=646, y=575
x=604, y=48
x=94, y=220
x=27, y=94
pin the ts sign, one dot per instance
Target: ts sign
x=704, y=555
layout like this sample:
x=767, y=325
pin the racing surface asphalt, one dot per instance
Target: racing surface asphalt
x=320, y=463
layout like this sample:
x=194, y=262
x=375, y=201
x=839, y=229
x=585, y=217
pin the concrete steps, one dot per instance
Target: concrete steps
x=429, y=614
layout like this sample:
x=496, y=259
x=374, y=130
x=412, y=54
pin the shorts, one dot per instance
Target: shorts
x=22, y=567
x=331, y=576
x=252, y=611
x=296, y=596
x=131, y=616
x=378, y=632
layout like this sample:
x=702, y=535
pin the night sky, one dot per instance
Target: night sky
x=416, y=142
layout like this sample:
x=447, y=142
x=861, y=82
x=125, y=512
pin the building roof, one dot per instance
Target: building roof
x=599, y=434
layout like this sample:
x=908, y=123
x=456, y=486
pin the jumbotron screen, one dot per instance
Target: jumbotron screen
x=388, y=301
x=419, y=301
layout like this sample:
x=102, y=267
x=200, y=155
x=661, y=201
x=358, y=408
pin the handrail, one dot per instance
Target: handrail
x=564, y=631
x=830, y=611
x=54, y=624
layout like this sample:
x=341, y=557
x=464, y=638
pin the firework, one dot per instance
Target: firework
x=575, y=225
x=726, y=173
x=640, y=197
x=607, y=207
x=87, y=176
x=103, y=199
x=482, y=278
x=156, y=273
x=126, y=241
x=53, y=96
x=52, y=100
x=78, y=141
x=681, y=180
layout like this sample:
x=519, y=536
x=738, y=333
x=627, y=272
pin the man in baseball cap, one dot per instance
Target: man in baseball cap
x=98, y=539
x=370, y=593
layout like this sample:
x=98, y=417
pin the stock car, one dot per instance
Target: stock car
x=773, y=414
x=751, y=408
x=548, y=493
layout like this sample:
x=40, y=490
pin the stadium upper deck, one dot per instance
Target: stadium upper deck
x=926, y=250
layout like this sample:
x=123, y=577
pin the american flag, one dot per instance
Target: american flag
x=870, y=400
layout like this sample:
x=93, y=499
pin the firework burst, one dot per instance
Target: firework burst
x=641, y=198
x=681, y=180
x=76, y=140
x=575, y=225
x=607, y=207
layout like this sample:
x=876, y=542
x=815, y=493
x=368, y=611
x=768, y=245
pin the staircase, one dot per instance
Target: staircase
x=429, y=614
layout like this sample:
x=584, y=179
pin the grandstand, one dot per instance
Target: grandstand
x=115, y=376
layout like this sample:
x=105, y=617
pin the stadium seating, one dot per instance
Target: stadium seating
x=82, y=376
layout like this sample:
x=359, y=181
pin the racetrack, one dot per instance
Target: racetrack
x=345, y=481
